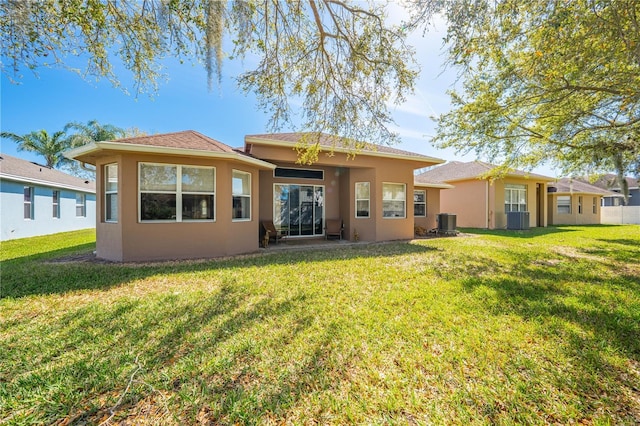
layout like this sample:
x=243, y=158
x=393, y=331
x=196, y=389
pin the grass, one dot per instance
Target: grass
x=498, y=327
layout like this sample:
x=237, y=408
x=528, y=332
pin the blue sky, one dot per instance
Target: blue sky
x=56, y=97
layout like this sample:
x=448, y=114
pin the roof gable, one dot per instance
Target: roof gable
x=188, y=139
x=569, y=185
x=332, y=142
x=457, y=170
x=13, y=168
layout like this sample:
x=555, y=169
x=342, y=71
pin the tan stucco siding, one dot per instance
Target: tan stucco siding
x=109, y=234
x=365, y=227
x=393, y=228
x=170, y=240
x=433, y=208
x=468, y=201
x=499, y=215
x=587, y=217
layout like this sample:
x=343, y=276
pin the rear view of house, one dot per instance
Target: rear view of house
x=479, y=201
x=38, y=200
x=184, y=195
x=573, y=202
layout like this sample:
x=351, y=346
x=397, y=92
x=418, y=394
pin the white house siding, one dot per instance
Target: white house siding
x=13, y=224
x=620, y=215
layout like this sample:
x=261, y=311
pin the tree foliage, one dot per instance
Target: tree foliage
x=323, y=65
x=50, y=146
x=541, y=80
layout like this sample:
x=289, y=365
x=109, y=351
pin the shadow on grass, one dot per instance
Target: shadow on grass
x=39, y=275
x=531, y=233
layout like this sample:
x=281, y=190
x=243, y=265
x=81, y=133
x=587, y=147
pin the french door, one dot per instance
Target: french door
x=298, y=210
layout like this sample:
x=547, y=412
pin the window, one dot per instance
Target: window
x=241, y=188
x=420, y=203
x=55, y=198
x=595, y=205
x=80, y=205
x=363, y=199
x=176, y=193
x=298, y=173
x=580, y=204
x=515, y=198
x=111, y=193
x=394, y=199
x=28, y=202
x=564, y=204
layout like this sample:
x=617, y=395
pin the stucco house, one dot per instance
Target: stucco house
x=480, y=202
x=573, y=202
x=426, y=201
x=184, y=195
x=610, y=183
x=38, y=200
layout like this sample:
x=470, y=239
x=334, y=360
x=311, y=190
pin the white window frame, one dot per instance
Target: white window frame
x=558, y=205
x=404, y=201
x=424, y=203
x=107, y=192
x=178, y=192
x=32, y=194
x=234, y=195
x=517, y=189
x=368, y=200
x=81, y=201
x=55, y=203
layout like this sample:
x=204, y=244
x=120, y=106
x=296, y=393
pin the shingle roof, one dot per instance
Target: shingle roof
x=188, y=139
x=568, y=185
x=331, y=141
x=609, y=181
x=13, y=168
x=457, y=170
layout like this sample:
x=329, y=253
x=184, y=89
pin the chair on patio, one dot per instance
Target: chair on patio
x=271, y=231
x=333, y=228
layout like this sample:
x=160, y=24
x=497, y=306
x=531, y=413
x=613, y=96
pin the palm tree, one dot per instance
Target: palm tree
x=93, y=132
x=50, y=147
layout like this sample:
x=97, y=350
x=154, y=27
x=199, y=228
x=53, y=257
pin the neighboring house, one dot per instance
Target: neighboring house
x=37, y=200
x=480, y=202
x=184, y=195
x=610, y=183
x=574, y=202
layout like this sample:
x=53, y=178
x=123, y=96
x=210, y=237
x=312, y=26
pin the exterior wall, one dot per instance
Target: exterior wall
x=587, y=217
x=14, y=225
x=468, y=201
x=499, y=214
x=433, y=208
x=132, y=240
x=341, y=174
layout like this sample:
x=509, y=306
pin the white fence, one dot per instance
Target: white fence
x=620, y=215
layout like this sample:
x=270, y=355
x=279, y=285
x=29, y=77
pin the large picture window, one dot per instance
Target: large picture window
x=28, y=202
x=111, y=193
x=515, y=198
x=176, y=193
x=420, y=203
x=241, y=188
x=564, y=204
x=394, y=200
x=363, y=199
x=81, y=206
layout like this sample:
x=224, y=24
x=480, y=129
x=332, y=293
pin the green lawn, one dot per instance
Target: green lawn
x=493, y=328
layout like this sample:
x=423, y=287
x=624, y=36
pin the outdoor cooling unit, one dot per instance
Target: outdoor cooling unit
x=447, y=224
x=518, y=220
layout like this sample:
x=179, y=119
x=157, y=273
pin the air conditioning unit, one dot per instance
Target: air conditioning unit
x=446, y=223
x=518, y=220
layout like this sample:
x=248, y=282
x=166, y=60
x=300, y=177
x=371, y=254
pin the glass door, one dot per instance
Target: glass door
x=298, y=210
